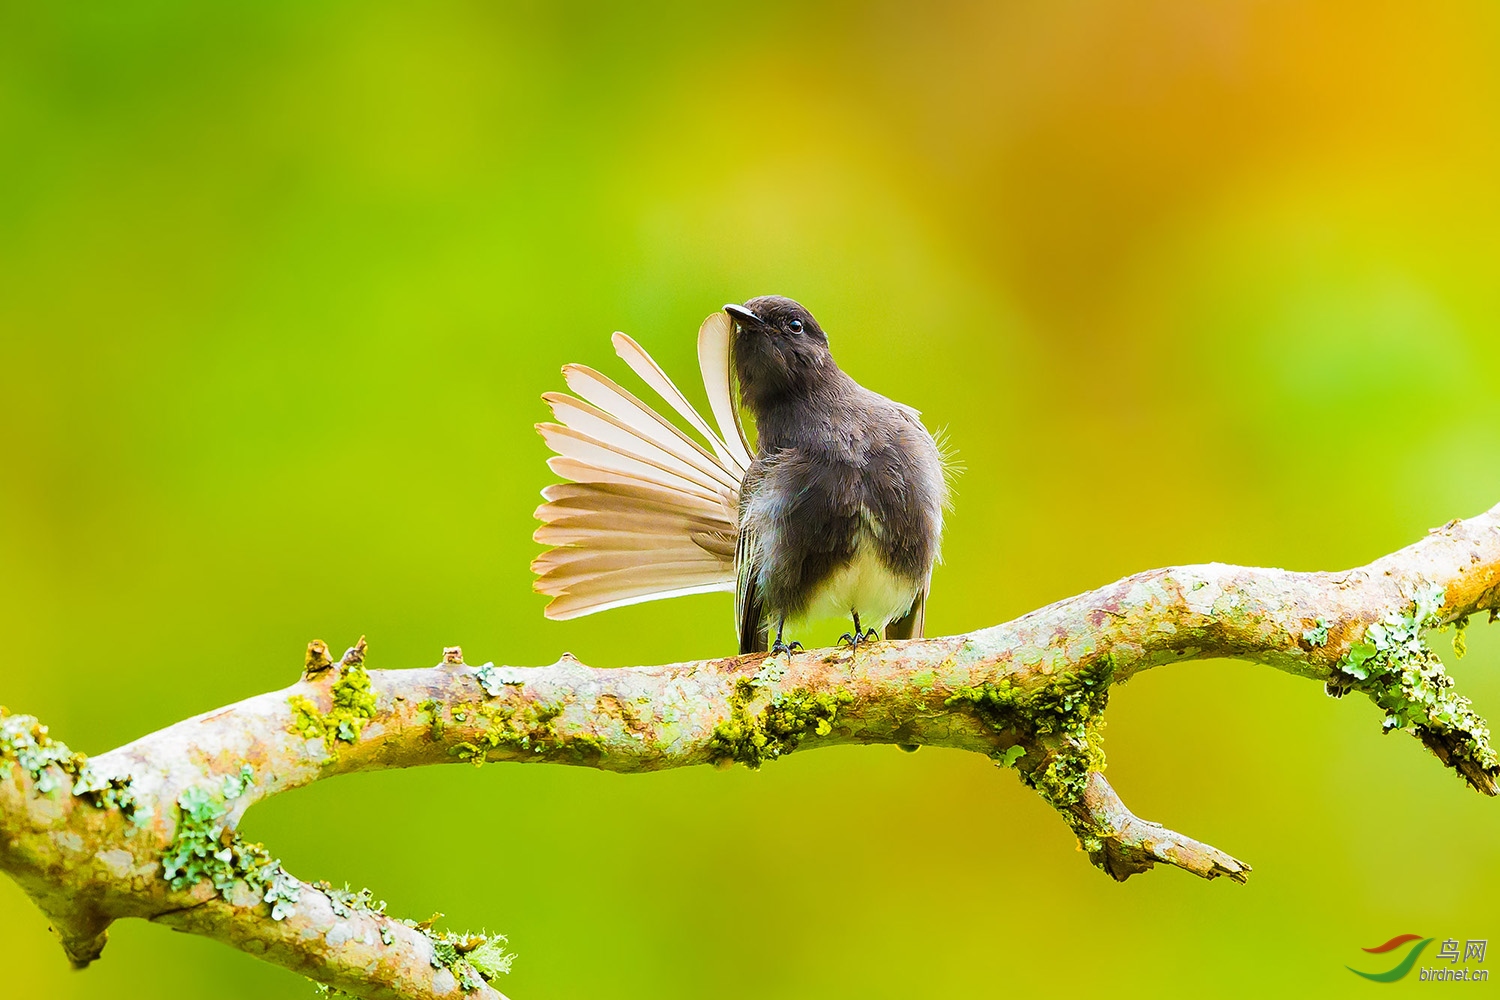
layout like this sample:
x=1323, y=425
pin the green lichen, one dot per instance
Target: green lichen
x=1460, y=644
x=516, y=723
x=1317, y=636
x=1061, y=713
x=347, y=902
x=779, y=728
x=491, y=958
x=586, y=744
x=353, y=707
x=207, y=849
x=433, y=709
x=25, y=742
x=444, y=954
x=1395, y=668
x=474, y=959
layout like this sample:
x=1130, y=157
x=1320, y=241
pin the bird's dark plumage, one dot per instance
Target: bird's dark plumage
x=841, y=509
x=837, y=512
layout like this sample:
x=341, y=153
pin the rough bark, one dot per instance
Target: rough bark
x=148, y=830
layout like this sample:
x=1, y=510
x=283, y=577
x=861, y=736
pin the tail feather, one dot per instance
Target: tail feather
x=714, y=338
x=577, y=559
x=629, y=497
x=583, y=472
x=642, y=523
x=650, y=512
x=618, y=590
x=589, y=420
x=647, y=368
x=622, y=535
x=611, y=398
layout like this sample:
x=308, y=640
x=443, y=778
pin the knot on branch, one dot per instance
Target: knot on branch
x=355, y=654
x=352, y=705
x=318, y=658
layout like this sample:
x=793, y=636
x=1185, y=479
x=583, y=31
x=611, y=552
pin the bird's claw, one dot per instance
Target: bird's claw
x=853, y=640
x=786, y=647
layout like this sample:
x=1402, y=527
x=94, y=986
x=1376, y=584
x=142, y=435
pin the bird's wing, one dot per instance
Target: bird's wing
x=650, y=512
x=748, y=610
x=911, y=624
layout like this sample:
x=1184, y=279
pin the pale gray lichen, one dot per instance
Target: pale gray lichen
x=25, y=742
x=495, y=679
x=1317, y=636
x=206, y=848
x=1396, y=668
x=473, y=959
x=346, y=902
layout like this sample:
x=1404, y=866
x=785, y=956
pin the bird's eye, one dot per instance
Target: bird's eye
x=795, y=326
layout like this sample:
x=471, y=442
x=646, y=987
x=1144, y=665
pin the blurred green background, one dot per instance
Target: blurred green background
x=280, y=285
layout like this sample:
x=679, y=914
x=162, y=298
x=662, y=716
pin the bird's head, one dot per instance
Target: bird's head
x=778, y=348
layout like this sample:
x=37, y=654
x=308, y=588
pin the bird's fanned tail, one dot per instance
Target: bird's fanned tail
x=650, y=512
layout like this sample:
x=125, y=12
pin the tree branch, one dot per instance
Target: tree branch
x=148, y=830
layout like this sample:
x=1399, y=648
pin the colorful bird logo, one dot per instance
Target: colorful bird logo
x=1402, y=967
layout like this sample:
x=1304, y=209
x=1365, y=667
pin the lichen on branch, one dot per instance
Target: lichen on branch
x=1061, y=718
x=26, y=743
x=206, y=848
x=352, y=704
x=752, y=737
x=150, y=830
x=1399, y=671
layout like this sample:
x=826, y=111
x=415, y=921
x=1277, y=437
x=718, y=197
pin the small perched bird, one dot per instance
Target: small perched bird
x=838, y=512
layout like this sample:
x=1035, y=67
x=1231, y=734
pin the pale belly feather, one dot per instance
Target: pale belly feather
x=864, y=585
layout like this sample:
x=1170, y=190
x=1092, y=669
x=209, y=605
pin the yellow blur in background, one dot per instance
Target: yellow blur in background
x=280, y=285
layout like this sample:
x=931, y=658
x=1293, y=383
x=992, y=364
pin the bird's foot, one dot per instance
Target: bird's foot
x=856, y=639
x=786, y=647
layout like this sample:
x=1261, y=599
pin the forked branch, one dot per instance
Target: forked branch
x=148, y=830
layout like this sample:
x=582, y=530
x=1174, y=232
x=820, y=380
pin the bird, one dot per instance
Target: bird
x=835, y=510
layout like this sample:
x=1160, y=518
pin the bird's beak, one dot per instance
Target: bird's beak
x=740, y=314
